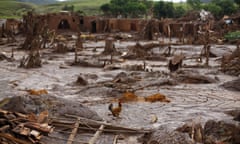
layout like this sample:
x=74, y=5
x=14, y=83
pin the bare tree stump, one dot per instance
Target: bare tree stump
x=109, y=47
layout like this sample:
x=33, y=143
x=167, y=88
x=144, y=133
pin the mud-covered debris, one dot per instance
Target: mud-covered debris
x=231, y=63
x=221, y=131
x=165, y=136
x=128, y=97
x=235, y=114
x=57, y=107
x=23, y=128
x=33, y=60
x=110, y=48
x=81, y=81
x=175, y=63
x=213, y=132
x=154, y=119
x=124, y=78
x=192, y=77
x=60, y=48
x=232, y=85
x=37, y=92
x=156, y=58
x=156, y=98
x=136, y=67
x=85, y=63
x=131, y=97
x=139, y=51
x=194, y=130
x=3, y=56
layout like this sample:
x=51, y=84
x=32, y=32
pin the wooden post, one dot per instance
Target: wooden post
x=183, y=33
x=207, y=47
x=12, y=56
x=169, y=49
x=79, y=46
x=169, y=33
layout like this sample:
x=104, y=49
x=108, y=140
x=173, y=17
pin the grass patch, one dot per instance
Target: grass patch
x=14, y=9
x=90, y=7
x=232, y=35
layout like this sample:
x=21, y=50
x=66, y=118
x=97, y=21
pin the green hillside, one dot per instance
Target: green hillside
x=89, y=7
x=14, y=9
x=39, y=1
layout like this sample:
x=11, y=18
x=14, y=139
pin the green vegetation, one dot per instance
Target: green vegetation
x=232, y=35
x=218, y=8
x=89, y=7
x=38, y=1
x=126, y=8
x=14, y=9
x=140, y=8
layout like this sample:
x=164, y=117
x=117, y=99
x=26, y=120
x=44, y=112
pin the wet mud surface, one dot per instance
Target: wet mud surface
x=189, y=102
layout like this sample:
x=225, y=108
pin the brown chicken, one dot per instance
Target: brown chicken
x=115, y=110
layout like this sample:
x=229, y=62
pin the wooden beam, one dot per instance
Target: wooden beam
x=96, y=135
x=74, y=131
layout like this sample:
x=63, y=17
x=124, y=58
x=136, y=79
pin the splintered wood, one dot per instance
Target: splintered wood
x=23, y=129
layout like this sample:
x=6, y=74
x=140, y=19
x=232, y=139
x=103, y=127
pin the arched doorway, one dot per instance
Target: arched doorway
x=133, y=27
x=94, y=26
x=63, y=24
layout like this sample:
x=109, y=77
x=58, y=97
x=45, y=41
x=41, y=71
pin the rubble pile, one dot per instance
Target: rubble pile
x=23, y=129
x=212, y=132
x=56, y=107
x=139, y=51
x=164, y=136
x=232, y=85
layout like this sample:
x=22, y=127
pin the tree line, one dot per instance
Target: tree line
x=161, y=9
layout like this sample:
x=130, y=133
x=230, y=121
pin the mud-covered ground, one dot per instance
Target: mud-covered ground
x=189, y=102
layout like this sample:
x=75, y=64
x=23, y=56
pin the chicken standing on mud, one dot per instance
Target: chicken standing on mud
x=115, y=110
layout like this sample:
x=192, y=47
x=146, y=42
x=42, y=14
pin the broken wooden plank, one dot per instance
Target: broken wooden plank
x=115, y=139
x=95, y=124
x=4, y=128
x=59, y=138
x=12, y=138
x=44, y=128
x=74, y=131
x=96, y=135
